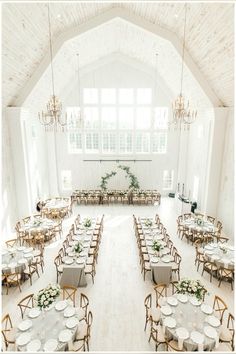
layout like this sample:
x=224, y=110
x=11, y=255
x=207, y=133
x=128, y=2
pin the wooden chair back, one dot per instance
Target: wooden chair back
x=220, y=307
x=69, y=292
x=26, y=303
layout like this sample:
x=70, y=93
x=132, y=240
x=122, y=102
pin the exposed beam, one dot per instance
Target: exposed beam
x=101, y=20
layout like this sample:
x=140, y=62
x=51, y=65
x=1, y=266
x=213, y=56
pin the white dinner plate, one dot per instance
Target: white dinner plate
x=214, y=245
x=159, y=237
x=34, y=312
x=208, y=247
x=50, y=345
x=25, y=325
x=215, y=257
x=167, y=259
x=28, y=250
x=69, y=312
x=154, y=259
x=68, y=261
x=172, y=301
x=210, y=332
x=33, y=346
x=169, y=322
x=61, y=305
x=21, y=248
x=80, y=260
x=12, y=265
x=197, y=337
x=23, y=339
x=209, y=252
x=182, y=333
x=207, y=309
x=213, y=321
x=194, y=301
x=83, y=254
x=22, y=261
x=182, y=298
x=166, y=310
x=71, y=322
x=28, y=255
x=65, y=336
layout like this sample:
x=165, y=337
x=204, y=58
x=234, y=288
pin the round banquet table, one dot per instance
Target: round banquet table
x=14, y=260
x=220, y=254
x=56, y=204
x=47, y=326
x=191, y=317
x=34, y=226
x=207, y=227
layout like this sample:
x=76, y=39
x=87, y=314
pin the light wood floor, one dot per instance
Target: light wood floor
x=117, y=296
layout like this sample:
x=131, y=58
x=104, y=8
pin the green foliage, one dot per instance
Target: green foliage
x=105, y=179
x=133, y=179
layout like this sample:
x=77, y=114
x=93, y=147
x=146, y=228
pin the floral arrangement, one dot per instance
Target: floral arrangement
x=148, y=222
x=199, y=221
x=78, y=247
x=47, y=296
x=157, y=246
x=191, y=287
x=87, y=222
x=224, y=248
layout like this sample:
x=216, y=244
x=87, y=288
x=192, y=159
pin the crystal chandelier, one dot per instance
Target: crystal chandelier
x=52, y=118
x=183, y=116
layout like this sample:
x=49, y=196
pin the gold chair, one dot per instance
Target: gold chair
x=8, y=333
x=211, y=268
x=161, y=292
x=69, y=292
x=11, y=243
x=157, y=334
x=84, y=333
x=26, y=303
x=225, y=273
x=58, y=265
x=12, y=279
x=176, y=266
x=227, y=332
x=211, y=219
x=150, y=311
x=220, y=307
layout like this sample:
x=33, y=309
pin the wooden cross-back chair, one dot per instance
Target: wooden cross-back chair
x=26, y=303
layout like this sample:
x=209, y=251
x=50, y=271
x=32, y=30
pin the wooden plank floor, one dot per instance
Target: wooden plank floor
x=117, y=296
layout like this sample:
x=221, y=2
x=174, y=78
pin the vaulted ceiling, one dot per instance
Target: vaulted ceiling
x=209, y=40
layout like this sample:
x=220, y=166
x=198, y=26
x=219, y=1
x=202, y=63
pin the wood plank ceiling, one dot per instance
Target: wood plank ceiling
x=209, y=40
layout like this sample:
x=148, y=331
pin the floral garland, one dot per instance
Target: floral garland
x=47, y=296
x=105, y=179
x=133, y=179
x=191, y=287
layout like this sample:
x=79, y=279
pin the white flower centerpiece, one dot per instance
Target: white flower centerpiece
x=191, y=287
x=199, y=221
x=157, y=247
x=148, y=223
x=87, y=223
x=78, y=248
x=46, y=297
x=224, y=248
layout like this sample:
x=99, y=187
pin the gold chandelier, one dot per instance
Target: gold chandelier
x=183, y=116
x=52, y=118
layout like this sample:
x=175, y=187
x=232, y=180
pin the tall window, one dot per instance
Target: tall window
x=119, y=121
x=168, y=179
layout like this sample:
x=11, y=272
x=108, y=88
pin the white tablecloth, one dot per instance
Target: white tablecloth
x=221, y=254
x=193, y=319
x=207, y=227
x=14, y=260
x=47, y=326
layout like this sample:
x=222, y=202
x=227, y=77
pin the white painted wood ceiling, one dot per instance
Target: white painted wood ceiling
x=209, y=41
